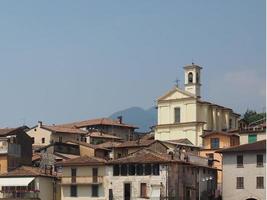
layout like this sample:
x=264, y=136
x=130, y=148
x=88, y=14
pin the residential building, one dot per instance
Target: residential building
x=244, y=171
x=250, y=134
x=43, y=135
x=105, y=125
x=98, y=137
x=129, y=147
x=183, y=114
x=15, y=149
x=213, y=141
x=84, y=178
x=29, y=183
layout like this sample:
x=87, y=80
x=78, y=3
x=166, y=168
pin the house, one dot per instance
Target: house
x=144, y=174
x=244, y=171
x=84, y=178
x=253, y=133
x=105, y=125
x=183, y=114
x=43, y=135
x=28, y=183
x=98, y=137
x=15, y=148
x=213, y=141
x=129, y=147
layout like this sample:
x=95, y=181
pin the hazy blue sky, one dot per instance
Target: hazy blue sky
x=69, y=60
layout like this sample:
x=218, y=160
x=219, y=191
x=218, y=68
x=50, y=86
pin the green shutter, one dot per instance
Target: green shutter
x=252, y=138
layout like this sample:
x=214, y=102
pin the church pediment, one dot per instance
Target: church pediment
x=176, y=93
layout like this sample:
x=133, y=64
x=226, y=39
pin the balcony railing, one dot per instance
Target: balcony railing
x=24, y=195
x=81, y=180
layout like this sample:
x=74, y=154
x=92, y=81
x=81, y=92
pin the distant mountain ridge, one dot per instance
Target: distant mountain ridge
x=138, y=116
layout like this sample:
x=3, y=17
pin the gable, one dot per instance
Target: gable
x=176, y=93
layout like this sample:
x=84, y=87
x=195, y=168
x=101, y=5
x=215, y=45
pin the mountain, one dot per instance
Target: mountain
x=138, y=116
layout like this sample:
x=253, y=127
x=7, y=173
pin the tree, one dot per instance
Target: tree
x=252, y=116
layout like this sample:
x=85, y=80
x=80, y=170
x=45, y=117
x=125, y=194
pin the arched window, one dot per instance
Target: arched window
x=190, y=77
x=197, y=78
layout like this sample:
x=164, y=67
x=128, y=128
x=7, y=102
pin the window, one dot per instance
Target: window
x=210, y=156
x=197, y=78
x=143, y=192
x=215, y=143
x=259, y=160
x=230, y=123
x=43, y=140
x=124, y=170
x=139, y=169
x=190, y=77
x=73, y=190
x=260, y=182
x=252, y=138
x=132, y=169
x=73, y=171
x=147, y=169
x=32, y=140
x=116, y=170
x=239, y=182
x=94, y=190
x=60, y=139
x=177, y=115
x=239, y=160
x=156, y=169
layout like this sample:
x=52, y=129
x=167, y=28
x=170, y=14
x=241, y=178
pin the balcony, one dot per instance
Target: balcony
x=81, y=180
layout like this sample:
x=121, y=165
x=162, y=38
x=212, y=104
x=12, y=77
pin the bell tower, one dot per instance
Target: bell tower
x=192, y=79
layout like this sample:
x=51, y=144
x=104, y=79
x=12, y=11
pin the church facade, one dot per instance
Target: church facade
x=183, y=114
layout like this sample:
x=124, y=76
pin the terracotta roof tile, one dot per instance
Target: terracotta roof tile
x=93, y=146
x=136, y=143
x=100, y=121
x=207, y=133
x=256, y=146
x=26, y=171
x=98, y=134
x=109, y=144
x=60, y=129
x=82, y=161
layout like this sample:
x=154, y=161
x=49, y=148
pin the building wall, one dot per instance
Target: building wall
x=244, y=136
x=3, y=163
x=84, y=191
x=116, y=183
x=249, y=172
x=86, y=151
x=45, y=185
x=65, y=137
x=39, y=133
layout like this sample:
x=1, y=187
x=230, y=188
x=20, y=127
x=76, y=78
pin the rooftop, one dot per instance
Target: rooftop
x=83, y=161
x=137, y=143
x=26, y=171
x=98, y=134
x=100, y=121
x=256, y=146
x=61, y=129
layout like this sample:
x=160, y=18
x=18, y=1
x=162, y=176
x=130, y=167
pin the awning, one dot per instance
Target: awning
x=19, y=181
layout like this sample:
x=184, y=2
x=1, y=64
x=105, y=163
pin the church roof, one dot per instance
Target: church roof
x=176, y=89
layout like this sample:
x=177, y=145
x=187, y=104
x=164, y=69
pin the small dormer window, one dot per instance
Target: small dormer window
x=190, y=77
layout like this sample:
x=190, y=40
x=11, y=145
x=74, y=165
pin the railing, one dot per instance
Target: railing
x=16, y=194
x=68, y=180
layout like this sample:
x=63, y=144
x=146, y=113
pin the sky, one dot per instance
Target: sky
x=64, y=61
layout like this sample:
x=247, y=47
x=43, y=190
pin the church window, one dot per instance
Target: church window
x=177, y=115
x=197, y=78
x=190, y=77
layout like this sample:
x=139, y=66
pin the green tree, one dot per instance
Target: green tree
x=252, y=116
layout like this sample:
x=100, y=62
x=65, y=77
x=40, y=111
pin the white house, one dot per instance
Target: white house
x=244, y=172
x=183, y=114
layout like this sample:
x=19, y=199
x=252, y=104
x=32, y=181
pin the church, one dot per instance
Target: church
x=183, y=114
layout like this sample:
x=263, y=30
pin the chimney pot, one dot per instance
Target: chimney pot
x=120, y=119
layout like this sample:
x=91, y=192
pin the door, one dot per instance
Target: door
x=127, y=191
x=95, y=175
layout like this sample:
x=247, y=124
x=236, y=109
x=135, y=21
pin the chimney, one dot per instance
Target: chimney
x=40, y=123
x=120, y=119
